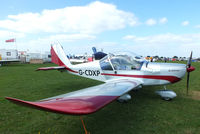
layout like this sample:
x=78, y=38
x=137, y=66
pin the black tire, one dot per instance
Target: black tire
x=167, y=98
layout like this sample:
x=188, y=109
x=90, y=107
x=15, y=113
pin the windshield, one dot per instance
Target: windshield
x=120, y=62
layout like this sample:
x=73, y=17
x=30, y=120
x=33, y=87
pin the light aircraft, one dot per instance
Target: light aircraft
x=95, y=56
x=77, y=60
x=98, y=55
x=121, y=74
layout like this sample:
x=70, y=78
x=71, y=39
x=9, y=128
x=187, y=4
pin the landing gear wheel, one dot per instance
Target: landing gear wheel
x=167, y=98
x=122, y=101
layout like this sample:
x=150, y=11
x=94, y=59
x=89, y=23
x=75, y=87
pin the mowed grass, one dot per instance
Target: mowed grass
x=146, y=113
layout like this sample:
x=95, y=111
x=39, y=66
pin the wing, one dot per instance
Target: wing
x=51, y=68
x=84, y=101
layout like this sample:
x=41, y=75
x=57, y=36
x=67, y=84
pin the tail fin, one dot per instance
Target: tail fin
x=58, y=56
x=94, y=50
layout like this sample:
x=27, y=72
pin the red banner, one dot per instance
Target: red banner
x=10, y=40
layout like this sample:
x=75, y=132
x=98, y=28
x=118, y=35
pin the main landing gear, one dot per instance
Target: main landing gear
x=166, y=94
x=124, y=98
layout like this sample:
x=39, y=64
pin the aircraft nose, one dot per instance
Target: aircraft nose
x=175, y=69
x=182, y=70
x=190, y=69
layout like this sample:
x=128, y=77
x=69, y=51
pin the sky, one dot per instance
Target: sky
x=146, y=27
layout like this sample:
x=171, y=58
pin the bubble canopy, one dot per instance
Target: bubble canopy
x=121, y=61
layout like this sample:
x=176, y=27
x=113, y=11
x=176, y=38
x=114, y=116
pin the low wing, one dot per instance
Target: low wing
x=51, y=68
x=85, y=101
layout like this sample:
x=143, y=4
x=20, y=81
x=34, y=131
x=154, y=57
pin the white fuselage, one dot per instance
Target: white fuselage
x=149, y=74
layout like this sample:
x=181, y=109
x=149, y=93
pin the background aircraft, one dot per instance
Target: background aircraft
x=98, y=55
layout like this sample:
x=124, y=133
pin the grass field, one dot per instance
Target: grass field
x=146, y=113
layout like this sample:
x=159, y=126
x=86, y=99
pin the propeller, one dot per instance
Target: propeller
x=189, y=69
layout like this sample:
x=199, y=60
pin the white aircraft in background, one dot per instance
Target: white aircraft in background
x=78, y=60
x=121, y=74
x=95, y=56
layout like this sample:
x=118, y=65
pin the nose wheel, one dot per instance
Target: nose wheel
x=166, y=94
x=167, y=98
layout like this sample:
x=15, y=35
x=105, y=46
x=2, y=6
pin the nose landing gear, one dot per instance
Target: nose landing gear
x=166, y=94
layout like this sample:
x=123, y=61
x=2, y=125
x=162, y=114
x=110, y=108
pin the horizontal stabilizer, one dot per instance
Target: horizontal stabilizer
x=51, y=68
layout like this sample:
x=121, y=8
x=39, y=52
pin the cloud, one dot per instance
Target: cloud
x=8, y=34
x=93, y=18
x=185, y=23
x=158, y=44
x=197, y=26
x=163, y=20
x=42, y=44
x=151, y=22
x=70, y=37
x=107, y=47
x=164, y=38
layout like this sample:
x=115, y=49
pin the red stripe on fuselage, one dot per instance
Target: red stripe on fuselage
x=70, y=70
x=55, y=59
x=172, y=79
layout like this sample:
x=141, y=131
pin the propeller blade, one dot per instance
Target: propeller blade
x=188, y=78
x=189, y=61
x=189, y=69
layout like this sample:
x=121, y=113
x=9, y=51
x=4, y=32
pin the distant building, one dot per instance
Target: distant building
x=22, y=56
x=46, y=57
x=8, y=54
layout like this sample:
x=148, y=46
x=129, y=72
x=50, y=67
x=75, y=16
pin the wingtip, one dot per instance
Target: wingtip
x=20, y=102
x=14, y=100
x=39, y=69
x=9, y=98
x=51, y=107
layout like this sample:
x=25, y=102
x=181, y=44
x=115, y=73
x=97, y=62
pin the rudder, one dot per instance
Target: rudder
x=58, y=56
